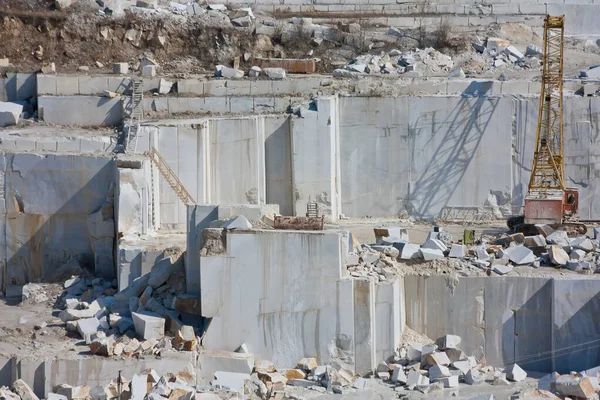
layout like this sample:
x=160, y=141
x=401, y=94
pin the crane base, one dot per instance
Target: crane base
x=517, y=225
x=544, y=211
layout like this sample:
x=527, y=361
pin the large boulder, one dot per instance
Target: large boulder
x=24, y=390
x=9, y=113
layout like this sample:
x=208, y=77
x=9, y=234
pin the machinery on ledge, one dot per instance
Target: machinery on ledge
x=548, y=201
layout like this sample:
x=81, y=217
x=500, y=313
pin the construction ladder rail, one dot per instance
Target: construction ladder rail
x=136, y=113
x=170, y=177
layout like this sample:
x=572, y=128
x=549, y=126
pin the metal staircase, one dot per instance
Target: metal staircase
x=170, y=177
x=135, y=115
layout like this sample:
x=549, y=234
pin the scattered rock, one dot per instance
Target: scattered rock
x=274, y=73
x=576, y=386
x=9, y=113
x=515, y=373
x=23, y=390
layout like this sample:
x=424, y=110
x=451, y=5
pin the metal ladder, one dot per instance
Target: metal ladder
x=312, y=209
x=170, y=177
x=152, y=196
x=136, y=113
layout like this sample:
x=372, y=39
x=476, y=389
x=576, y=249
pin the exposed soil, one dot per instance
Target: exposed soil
x=34, y=34
x=35, y=331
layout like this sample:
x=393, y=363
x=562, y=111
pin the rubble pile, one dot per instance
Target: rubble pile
x=442, y=365
x=427, y=368
x=411, y=63
x=574, y=385
x=268, y=381
x=383, y=263
x=147, y=385
x=393, y=253
x=217, y=13
x=433, y=367
x=150, y=307
x=265, y=381
x=499, y=53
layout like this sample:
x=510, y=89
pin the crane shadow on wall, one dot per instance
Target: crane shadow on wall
x=462, y=132
x=49, y=199
x=522, y=315
x=556, y=329
x=576, y=322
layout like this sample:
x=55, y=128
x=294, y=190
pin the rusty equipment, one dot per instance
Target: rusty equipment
x=547, y=200
x=291, y=65
x=298, y=223
x=469, y=236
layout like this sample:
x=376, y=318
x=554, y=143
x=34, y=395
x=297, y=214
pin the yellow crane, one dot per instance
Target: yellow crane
x=548, y=201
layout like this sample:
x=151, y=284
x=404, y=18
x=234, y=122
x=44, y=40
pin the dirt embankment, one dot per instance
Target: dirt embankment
x=31, y=38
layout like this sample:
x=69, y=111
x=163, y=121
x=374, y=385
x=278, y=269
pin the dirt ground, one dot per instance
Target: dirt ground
x=35, y=331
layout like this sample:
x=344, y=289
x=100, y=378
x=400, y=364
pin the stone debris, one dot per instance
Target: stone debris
x=87, y=327
x=428, y=367
x=48, y=68
x=448, y=342
x=520, y=255
x=148, y=325
x=515, y=373
x=547, y=382
x=149, y=71
x=458, y=251
x=164, y=86
x=217, y=7
x=274, y=73
x=497, y=44
x=229, y=73
x=307, y=364
x=23, y=390
x=557, y=255
x=72, y=392
x=457, y=73
x=9, y=113
x=109, y=94
x=473, y=377
x=431, y=254
x=254, y=72
x=502, y=269
x=370, y=263
x=499, y=53
x=121, y=68
x=240, y=222
x=410, y=251
x=490, y=255
x=500, y=381
x=398, y=233
x=242, y=21
x=416, y=62
x=33, y=293
x=150, y=307
x=559, y=238
x=574, y=385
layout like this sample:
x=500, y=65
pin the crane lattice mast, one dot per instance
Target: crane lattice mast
x=547, y=174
